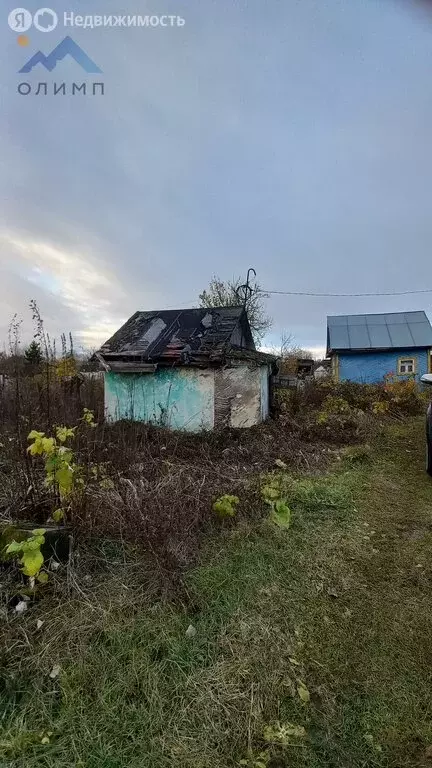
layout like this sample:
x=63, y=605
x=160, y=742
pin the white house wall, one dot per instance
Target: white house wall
x=238, y=396
x=190, y=399
x=265, y=393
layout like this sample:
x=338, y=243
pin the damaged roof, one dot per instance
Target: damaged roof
x=180, y=336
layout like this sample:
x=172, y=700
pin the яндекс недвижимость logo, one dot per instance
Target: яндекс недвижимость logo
x=44, y=20
x=67, y=47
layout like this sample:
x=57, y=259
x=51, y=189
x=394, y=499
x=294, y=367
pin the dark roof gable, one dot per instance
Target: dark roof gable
x=181, y=336
x=394, y=330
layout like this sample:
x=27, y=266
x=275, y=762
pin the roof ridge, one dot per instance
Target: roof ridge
x=189, y=309
x=381, y=314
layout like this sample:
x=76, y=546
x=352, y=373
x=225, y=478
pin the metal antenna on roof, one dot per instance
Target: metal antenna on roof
x=245, y=291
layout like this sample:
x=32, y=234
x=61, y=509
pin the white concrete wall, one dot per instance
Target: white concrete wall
x=244, y=387
x=265, y=391
x=190, y=399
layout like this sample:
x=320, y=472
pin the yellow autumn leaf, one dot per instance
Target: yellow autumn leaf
x=63, y=433
x=48, y=445
x=36, y=448
x=64, y=478
x=34, y=435
x=32, y=562
x=303, y=693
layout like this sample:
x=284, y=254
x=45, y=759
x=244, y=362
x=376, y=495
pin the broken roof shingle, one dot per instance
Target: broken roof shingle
x=182, y=336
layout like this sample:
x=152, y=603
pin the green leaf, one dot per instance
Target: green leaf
x=53, y=463
x=39, y=532
x=65, y=454
x=63, y=477
x=33, y=544
x=32, y=563
x=63, y=433
x=269, y=493
x=58, y=515
x=14, y=546
x=225, y=506
x=281, y=514
x=42, y=577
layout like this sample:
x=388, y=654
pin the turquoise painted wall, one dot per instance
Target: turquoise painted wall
x=180, y=398
x=371, y=367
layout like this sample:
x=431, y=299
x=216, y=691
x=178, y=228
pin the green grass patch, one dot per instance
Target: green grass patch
x=310, y=646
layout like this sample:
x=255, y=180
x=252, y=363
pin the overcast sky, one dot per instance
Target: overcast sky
x=293, y=136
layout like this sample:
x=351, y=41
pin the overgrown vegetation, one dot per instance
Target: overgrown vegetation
x=247, y=597
x=29, y=551
x=307, y=646
x=145, y=484
x=346, y=411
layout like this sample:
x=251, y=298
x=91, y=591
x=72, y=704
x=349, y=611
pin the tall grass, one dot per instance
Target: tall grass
x=340, y=604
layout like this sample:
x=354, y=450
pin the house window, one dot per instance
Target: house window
x=406, y=365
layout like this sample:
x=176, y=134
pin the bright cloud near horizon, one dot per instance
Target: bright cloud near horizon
x=292, y=136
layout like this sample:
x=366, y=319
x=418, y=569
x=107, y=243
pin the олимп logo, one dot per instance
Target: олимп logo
x=67, y=47
x=46, y=20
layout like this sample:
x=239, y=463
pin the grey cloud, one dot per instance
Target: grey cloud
x=291, y=136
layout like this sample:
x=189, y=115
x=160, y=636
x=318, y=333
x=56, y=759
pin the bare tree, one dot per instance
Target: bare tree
x=287, y=348
x=289, y=353
x=222, y=293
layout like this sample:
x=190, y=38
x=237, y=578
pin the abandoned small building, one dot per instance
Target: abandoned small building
x=366, y=348
x=189, y=369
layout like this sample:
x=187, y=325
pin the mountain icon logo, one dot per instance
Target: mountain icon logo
x=67, y=47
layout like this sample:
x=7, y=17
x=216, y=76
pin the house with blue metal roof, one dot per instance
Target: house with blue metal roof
x=365, y=348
